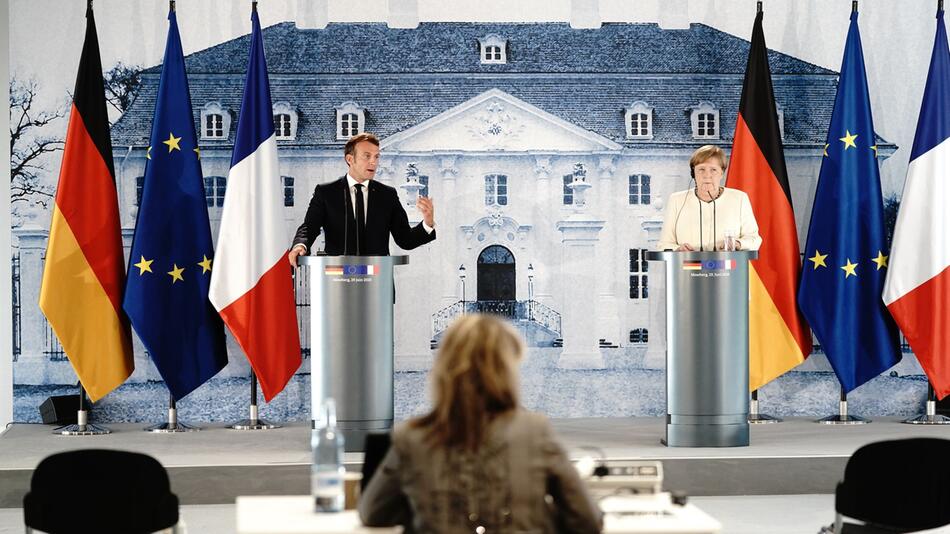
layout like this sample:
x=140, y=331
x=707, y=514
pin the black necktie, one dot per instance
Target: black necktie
x=360, y=220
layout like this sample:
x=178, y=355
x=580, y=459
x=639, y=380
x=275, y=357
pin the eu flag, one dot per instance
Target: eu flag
x=845, y=254
x=166, y=295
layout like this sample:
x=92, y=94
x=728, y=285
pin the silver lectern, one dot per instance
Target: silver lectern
x=351, y=341
x=707, y=348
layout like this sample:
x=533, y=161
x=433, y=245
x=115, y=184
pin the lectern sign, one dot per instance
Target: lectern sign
x=351, y=270
x=709, y=265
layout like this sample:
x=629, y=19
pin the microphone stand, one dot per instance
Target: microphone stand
x=700, y=200
x=714, y=221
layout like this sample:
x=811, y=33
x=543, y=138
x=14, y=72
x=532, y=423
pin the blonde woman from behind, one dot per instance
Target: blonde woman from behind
x=478, y=462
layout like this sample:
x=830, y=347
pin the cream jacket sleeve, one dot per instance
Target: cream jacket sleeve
x=668, y=233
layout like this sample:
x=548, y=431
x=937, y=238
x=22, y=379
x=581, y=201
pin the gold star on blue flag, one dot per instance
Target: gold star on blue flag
x=182, y=332
x=843, y=306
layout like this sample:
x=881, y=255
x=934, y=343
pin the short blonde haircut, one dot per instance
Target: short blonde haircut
x=474, y=380
x=706, y=153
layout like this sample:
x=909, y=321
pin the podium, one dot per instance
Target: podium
x=351, y=341
x=707, y=348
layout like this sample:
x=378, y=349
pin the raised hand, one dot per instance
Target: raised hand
x=424, y=204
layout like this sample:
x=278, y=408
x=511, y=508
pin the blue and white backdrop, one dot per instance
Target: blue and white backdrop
x=496, y=110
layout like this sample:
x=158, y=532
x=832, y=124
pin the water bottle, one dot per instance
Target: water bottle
x=326, y=472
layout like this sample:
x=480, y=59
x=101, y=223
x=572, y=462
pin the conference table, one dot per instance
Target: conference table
x=293, y=514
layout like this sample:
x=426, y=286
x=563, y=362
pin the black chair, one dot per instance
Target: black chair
x=103, y=491
x=895, y=486
x=375, y=449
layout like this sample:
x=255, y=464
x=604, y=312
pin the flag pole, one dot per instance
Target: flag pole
x=172, y=424
x=756, y=418
x=82, y=427
x=930, y=415
x=843, y=417
x=254, y=422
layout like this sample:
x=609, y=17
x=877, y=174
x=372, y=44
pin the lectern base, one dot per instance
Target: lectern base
x=680, y=435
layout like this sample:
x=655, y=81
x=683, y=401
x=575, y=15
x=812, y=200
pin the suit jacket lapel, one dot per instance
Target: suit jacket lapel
x=343, y=189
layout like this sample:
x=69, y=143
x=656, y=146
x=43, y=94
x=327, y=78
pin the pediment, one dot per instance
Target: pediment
x=496, y=121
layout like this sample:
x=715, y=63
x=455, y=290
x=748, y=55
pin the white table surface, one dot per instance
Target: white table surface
x=653, y=514
x=293, y=514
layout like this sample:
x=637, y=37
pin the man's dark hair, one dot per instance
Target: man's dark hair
x=350, y=146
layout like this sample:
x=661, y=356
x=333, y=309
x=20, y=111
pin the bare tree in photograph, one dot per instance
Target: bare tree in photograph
x=122, y=84
x=30, y=144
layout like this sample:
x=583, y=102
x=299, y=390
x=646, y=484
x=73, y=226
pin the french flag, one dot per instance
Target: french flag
x=251, y=284
x=917, y=288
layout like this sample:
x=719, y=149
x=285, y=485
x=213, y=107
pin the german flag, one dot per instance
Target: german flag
x=779, y=339
x=84, y=275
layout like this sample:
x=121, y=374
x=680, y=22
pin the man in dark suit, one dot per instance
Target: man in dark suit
x=358, y=214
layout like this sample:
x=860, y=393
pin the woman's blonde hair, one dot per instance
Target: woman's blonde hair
x=474, y=380
x=707, y=152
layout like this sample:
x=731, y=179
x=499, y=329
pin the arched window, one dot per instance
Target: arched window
x=496, y=280
x=215, y=121
x=639, y=120
x=285, y=122
x=496, y=254
x=704, y=118
x=493, y=49
x=350, y=120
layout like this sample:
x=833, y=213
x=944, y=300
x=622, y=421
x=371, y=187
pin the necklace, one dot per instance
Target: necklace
x=718, y=194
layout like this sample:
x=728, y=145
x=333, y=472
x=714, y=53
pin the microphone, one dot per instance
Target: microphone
x=346, y=217
x=700, y=200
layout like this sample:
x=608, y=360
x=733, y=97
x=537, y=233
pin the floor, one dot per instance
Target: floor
x=24, y=445
x=766, y=511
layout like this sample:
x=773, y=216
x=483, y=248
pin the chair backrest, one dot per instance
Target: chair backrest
x=900, y=484
x=377, y=445
x=108, y=491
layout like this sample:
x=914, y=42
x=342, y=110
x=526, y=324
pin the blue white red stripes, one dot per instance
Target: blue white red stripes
x=251, y=285
x=917, y=289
